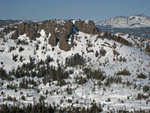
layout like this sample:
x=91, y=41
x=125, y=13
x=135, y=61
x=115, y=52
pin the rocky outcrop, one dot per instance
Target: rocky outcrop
x=24, y=28
x=86, y=27
x=53, y=40
x=60, y=30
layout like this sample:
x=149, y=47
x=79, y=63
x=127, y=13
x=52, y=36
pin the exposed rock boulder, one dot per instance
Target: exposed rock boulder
x=86, y=27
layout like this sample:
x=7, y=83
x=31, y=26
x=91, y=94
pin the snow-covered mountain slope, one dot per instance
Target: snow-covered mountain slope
x=125, y=69
x=135, y=21
x=109, y=60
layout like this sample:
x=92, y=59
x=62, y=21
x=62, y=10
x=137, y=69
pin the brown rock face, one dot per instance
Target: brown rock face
x=25, y=28
x=63, y=44
x=60, y=30
x=86, y=27
x=57, y=26
x=53, y=40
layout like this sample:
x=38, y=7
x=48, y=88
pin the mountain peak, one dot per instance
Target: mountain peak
x=133, y=21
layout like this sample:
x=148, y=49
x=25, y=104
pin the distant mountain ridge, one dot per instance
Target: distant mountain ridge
x=135, y=21
x=137, y=25
x=5, y=22
x=8, y=21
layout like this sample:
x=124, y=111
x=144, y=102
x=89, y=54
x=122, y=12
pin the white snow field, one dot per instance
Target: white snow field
x=116, y=96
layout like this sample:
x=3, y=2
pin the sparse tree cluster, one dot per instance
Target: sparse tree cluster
x=124, y=72
x=111, y=80
x=102, y=52
x=4, y=75
x=75, y=60
x=95, y=74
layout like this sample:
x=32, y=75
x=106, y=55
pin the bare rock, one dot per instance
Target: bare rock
x=53, y=40
x=24, y=28
x=60, y=30
x=86, y=27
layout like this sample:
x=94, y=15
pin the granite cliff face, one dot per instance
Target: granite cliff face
x=60, y=30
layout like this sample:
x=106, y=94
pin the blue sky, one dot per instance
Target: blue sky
x=71, y=9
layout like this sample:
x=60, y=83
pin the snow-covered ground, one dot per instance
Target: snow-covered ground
x=117, y=96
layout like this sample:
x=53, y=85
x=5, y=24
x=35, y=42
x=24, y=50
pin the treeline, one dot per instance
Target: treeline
x=38, y=108
x=42, y=108
x=93, y=109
